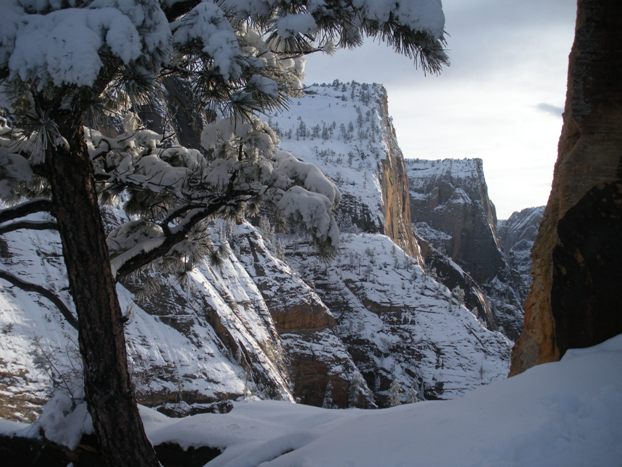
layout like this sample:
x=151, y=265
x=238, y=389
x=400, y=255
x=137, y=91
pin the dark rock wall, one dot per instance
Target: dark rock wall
x=452, y=197
x=573, y=251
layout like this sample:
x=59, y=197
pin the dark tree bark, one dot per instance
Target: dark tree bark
x=107, y=384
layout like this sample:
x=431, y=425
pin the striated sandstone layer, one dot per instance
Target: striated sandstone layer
x=394, y=182
x=576, y=263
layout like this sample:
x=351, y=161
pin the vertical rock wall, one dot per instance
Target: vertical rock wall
x=395, y=194
x=577, y=261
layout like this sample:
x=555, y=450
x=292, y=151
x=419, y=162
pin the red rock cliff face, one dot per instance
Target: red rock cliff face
x=577, y=257
x=395, y=193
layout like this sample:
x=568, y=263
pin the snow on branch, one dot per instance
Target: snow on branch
x=207, y=24
x=31, y=225
x=158, y=240
x=30, y=287
x=66, y=46
x=311, y=211
x=24, y=209
x=310, y=176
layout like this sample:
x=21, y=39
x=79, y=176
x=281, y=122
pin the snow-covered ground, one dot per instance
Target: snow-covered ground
x=558, y=414
x=567, y=414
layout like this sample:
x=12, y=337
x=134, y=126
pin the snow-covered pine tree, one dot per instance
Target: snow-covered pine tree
x=62, y=63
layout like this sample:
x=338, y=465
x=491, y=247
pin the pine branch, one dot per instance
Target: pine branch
x=24, y=209
x=195, y=213
x=179, y=8
x=30, y=287
x=27, y=225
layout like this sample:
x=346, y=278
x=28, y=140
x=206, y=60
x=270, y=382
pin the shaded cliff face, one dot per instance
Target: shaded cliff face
x=451, y=210
x=517, y=235
x=574, y=298
x=451, y=196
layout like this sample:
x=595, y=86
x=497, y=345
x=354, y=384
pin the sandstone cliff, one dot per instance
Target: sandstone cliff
x=394, y=318
x=577, y=259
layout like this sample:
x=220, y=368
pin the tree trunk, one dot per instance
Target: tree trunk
x=108, y=390
x=577, y=258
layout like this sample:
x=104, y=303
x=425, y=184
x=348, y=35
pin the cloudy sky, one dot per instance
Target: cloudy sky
x=500, y=100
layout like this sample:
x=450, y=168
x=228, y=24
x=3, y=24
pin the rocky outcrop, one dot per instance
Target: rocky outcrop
x=451, y=196
x=574, y=298
x=317, y=360
x=520, y=229
x=410, y=337
x=451, y=210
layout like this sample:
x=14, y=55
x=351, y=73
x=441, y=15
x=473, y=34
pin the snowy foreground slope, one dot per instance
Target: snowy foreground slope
x=567, y=413
x=558, y=414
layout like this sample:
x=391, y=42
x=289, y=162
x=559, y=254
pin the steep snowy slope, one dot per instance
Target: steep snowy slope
x=409, y=336
x=213, y=339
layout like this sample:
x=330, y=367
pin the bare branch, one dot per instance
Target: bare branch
x=171, y=239
x=30, y=287
x=179, y=8
x=28, y=225
x=195, y=213
x=30, y=207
